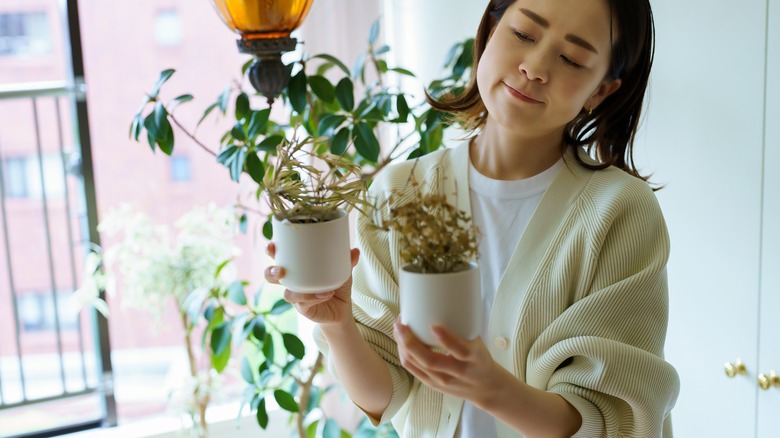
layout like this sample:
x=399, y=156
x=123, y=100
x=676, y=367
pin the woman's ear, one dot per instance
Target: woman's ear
x=602, y=92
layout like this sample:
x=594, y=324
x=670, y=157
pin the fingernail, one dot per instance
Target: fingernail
x=322, y=295
x=274, y=271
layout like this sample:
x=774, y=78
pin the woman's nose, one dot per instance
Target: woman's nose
x=534, y=67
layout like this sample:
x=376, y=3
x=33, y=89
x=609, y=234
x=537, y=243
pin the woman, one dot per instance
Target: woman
x=573, y=253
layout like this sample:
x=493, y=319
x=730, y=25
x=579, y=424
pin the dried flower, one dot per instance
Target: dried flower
x=436, y=236
x=298, y=190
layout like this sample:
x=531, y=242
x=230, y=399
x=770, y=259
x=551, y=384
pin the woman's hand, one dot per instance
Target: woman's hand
x=326, y=308
x=466, y=370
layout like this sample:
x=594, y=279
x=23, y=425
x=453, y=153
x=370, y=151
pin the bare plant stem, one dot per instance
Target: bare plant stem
x=191, y=135
x=306, y=386
x=201, y=402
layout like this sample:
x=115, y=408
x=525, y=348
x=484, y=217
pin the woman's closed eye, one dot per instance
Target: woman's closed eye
x=570, y=62
x=522, y=36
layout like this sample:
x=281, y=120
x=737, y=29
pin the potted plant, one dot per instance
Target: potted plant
x=322, y=99
x=310, y=195
x=439, y=283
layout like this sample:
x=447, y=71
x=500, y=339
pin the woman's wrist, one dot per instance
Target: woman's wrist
x=338, y=329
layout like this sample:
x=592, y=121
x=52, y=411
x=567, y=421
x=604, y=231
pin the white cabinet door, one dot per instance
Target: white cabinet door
x=769, y=347
x=703, y=139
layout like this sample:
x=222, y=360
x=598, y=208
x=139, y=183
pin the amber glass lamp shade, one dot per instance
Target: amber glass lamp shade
x=264, y=27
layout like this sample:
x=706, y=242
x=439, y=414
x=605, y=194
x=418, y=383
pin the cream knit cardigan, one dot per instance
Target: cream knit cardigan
x=581, y=310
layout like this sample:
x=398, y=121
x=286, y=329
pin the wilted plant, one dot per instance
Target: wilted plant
x=306, y=186
x=436, y=236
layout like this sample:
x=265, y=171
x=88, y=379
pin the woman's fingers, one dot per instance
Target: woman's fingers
x=294, y=297
x=355, y=256
x=457, y=347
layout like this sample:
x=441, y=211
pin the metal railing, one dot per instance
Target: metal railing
x=93, y=372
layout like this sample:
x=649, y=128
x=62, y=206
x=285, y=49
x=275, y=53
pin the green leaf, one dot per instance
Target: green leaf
x=238, y=132
x=220, y=361
x=220, y=338
x=265, y=376
x=402, y=107
x=419, y=152
x=242, y=106
x=164, y=76
x=293, y=345
x=246, y=371
x=262, y=414
x=280, y=307
x=221, y=267
x=268, y=348
x=296, y=90
x=382, y=50
x=180, y=99
x=329, y=123
x=289, y=367
x=345, y=94
x=340, y=141
x=245, y=66
x=373, y=33
x=258, y=328
x=322, y=88
x=258, y=122
x=236, y=292
x=358, y=66
x=151, y=130
x=243, y=223
x=226, y=154
x=286, y=400
x=334, y=60
x=311, y=429
x=268, y=230
x=255, y=168
x=366, y=143
x=270, y=143
x=222, y=100
x=207, y=112
x=193, y=303
x=136, y=127
x=331, y=429
x=403, y=71
x=381, y=65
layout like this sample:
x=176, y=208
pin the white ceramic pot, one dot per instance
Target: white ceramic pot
x=451, y=300
x=315, y=256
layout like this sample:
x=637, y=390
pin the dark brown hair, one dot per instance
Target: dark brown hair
x=611, y=128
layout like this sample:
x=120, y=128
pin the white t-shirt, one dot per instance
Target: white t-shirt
x=501, y=211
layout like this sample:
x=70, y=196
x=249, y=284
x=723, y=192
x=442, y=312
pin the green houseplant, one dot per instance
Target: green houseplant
x=321, y=100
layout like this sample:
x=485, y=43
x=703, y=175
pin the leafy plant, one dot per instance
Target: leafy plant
x=436, y=236
x=158, y=266
x=336, y=116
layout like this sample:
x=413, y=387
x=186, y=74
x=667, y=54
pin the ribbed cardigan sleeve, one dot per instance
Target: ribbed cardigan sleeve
x=604, y=352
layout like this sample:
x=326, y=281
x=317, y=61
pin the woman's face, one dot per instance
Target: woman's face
x=545, y=61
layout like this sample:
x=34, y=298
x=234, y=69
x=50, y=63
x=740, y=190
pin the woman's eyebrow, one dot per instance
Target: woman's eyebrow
x=574, y=39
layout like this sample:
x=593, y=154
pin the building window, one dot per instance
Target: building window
x=36, y=311
x=24, y=33
x=180, y=168
x=22, y=177
x=168, y=28
x=16, y=178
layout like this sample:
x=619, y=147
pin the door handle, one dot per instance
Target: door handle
x=769, y=380
x=735, y=368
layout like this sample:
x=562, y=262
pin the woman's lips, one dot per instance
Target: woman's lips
x=521, y=95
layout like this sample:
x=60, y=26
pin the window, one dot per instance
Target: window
x=23, y=177
x=168, y=28
x=180, y=168
x=16, y=178
x=36, y=311
x=24, y=33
